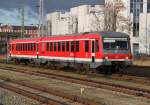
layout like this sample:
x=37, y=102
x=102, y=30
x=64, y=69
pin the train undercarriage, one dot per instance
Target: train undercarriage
x=86, y=67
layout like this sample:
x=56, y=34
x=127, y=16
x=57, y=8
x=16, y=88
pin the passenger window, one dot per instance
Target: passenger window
x=86, y=46
x=63, y=46
x=47, y=46
x=59, y=45
x=67, y=45
x=54, y=46
x=72, y=46
x=21, y=47
x=51, y=46
x=26, y=47
x=77, y=46
x=34, y=46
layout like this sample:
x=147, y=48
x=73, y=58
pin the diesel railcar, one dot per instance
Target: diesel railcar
x=93, y=50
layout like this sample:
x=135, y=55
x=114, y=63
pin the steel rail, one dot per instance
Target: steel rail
x=98, y=84
x=29, y=94
x=52, y=91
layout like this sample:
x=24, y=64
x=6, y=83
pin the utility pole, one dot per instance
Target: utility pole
x=22, y=22
x=41, y=18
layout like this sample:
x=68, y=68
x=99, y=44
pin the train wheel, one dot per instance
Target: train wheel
x=115, y=69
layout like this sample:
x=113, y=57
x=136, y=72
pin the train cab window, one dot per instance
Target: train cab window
x=63, y=46
x=59, y=46
x=67, y=46
x=51, y=46
x=86, y=46
x=96, y=46
x=72, y=46
x=55, y=46
x=77, y=46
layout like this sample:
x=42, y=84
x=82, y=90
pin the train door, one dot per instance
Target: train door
x=93, y=51
x=37, y=50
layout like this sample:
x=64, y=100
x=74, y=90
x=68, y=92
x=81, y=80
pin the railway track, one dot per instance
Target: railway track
x=89, y=82
x=40, y=98
x=119, y=76
x=34, y=94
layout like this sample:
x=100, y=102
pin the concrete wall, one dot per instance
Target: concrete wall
x=77, y=20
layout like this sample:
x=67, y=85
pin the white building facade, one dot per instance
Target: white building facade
x=138, y=12
x=86, y=18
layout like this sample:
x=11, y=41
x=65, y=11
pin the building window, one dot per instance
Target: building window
x=131, y=6
x=86, y=46
x=141, y=6
x=135, y=48
x=135, y=29
x=136, y=6
x=148, y=6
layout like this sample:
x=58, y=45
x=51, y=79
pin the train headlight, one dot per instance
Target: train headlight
x=106, y=57
x=127, y=57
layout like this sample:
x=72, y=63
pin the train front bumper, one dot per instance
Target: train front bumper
x=110, y=62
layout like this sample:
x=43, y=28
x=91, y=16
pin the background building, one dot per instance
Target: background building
x=133, y=19
x=8, y=32
x=79, y=19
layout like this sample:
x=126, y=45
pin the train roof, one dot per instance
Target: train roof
x=115, y=34
x=81, y=35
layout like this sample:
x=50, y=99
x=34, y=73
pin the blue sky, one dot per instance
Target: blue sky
x=10, y=9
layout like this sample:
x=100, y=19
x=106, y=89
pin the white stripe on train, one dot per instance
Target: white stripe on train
x=68, y=58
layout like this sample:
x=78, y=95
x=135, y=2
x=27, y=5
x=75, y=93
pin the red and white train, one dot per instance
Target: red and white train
x=96, y=50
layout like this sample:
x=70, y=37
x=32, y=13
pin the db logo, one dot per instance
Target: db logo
x=117, y=57
x=71, y=54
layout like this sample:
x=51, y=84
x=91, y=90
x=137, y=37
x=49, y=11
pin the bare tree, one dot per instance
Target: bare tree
x=114, y=19
x=98, y=21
